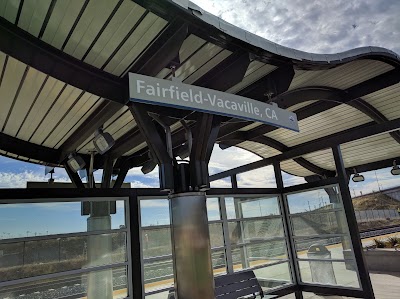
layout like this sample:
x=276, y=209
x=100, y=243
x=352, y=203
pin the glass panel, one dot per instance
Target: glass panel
x=158, y=274
x=259, y=178
x=216, y=235
x=329, y=273
x=273, y=275
x=33, y=258
x=49, y=218
x=314, y=200
x=219, y=262
x=335, y=248
x=156, y=241
x=314, y=296
x=213, y=211
x=251, y=230
x=319, y=223
x=154, y=212
x=259, y=254
x=247, y=207
x=72, y=286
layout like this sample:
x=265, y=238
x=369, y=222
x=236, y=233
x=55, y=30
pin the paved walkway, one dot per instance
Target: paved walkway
x=386, y=285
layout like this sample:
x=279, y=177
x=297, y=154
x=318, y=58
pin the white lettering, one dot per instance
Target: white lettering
x=185, y=96
x=220, y=103
x=234, y=106
x=198, y=97
x=226, y=104
x=274, y=115
x=267, y=112
x=150, y=90
x=139, y=85
x=256, y=111
x=212, y=100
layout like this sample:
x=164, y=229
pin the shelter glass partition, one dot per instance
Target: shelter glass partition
x=51, y=250
x=321, y=238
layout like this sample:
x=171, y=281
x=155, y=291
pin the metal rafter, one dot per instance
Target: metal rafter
x=349, y=135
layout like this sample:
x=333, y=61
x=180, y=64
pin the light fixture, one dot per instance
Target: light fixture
x=149, y=165
x=102, y=141
x=50, y=170
x=75, y=162
x=396, y=169
x=357, y=177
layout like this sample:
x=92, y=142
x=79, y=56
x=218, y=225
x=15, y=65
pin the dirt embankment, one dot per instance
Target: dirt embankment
x=375, y=201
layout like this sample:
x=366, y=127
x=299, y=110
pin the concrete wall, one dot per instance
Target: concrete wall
x=387, y=260
x=371, y=215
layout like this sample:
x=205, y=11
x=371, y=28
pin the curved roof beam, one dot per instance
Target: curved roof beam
x=239, y=136
x=334, y=98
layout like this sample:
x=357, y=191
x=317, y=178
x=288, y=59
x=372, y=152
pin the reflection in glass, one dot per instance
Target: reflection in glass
x=338, y=247
x=247, y=207
x=158, y=274
x=216, y=235
x=154, y=212
x=50, y=218
x=252, y=230
x=156, y=241
x=219, y=262
x=33, y=258
x=328, y=272
x=314, y=200
x=259, y=254
x=71, y=286
x=213, y=210
x=273, y=275
x=319, y=223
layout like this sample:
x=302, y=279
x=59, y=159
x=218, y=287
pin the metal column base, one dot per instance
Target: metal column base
x=191, y=246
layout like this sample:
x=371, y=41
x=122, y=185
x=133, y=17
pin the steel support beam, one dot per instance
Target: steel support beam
x=74, y=177
x=352, y=224
x=36, y=53
x=349, y=135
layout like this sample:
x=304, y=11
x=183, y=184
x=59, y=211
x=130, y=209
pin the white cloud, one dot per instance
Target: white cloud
x=18, y=180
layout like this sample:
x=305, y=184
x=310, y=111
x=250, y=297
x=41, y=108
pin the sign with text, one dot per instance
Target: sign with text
x=162, y=92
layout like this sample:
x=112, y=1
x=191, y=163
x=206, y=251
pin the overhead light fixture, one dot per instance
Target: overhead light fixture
x=149, y=165
x=396, y=169
x=357, y=177
x=75, y=162
x=102, y=141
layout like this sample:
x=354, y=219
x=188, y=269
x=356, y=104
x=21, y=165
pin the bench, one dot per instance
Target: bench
x=234, y=286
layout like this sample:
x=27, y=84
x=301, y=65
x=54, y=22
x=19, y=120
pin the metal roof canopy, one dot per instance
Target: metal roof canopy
x=63, y=74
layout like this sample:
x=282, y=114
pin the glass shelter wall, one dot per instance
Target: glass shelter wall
x=321, y=238
x=50, y=252
x=246, y=232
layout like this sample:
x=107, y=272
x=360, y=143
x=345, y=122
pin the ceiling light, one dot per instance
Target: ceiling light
x=357, y=177
x=75, y=162
x=102, y=141
x=396, y=169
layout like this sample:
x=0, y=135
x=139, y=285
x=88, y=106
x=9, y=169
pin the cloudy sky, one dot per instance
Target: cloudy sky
x=318, y=26
x=313, y=26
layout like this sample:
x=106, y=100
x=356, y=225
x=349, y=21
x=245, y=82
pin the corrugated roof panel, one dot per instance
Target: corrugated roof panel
x=61, y=21
x=197, y=60
x=341, y=77
x=323, y=159
x=77, y=112
x=136, y=149
x=190, y=45
x=328, y=122
x=371, y=149
x=61, y=106
x=292, y=167
x=254, y=73
x=13, y=75
x=27, y=95
x=387, y=101
x=9, y=10
x=45, y=100
x=77, y=122
x=251, y=126
x=89, y=25
x=33, y=14
x=124, y=20
x=300, y=105
x=259, y=149
x=207, y=66
x=138, y=41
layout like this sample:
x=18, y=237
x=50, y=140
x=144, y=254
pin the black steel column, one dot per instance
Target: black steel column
x=352, y=223
x=285, y=211
x=234, y=181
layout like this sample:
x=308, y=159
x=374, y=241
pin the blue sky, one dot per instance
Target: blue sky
x=312, y=26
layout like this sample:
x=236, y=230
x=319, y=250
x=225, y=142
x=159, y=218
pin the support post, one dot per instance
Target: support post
x=74, y=177
x=289, y=241
x=352, y=224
